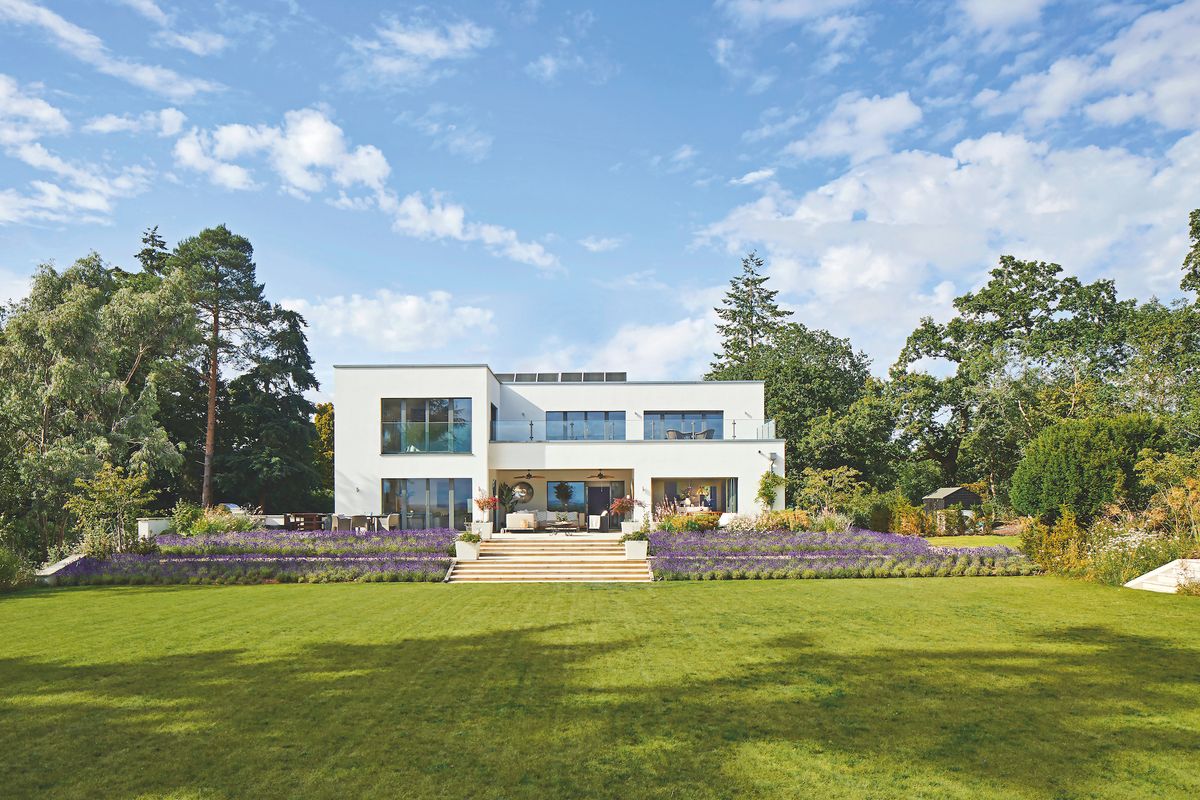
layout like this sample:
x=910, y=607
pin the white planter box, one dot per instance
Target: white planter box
x=630, y=526
x=636, y=550
x=466, y=551
x=483, y=529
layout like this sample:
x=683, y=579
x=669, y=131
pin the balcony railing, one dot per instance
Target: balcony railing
x=526, y=430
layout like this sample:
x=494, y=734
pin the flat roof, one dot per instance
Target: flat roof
x=535, y=383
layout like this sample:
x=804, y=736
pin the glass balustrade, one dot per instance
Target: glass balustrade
x=671, y=428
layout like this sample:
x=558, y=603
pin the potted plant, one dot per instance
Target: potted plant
x=623, y=507
x=482, y=526
x=637, y=544
x=467, y=546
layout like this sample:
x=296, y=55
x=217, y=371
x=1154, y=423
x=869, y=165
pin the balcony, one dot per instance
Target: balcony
x=529, y=430
x=728, y=429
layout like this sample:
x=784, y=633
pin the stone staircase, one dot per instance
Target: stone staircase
x=559, y=559
x=1167, y=578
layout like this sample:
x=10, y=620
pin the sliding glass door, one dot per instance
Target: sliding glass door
x=428, y=502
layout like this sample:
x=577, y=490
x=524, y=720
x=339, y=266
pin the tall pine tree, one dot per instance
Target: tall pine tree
x=750, y=319
x=231, y=311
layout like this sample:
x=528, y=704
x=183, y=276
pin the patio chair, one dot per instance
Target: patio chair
x=393, y=522
x=343, y=523
x=674, y=434
x=358, y=522
x=707, y=433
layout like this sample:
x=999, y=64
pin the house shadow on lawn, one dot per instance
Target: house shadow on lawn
x=526, y=713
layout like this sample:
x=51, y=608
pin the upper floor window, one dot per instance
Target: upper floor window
x=684, y=425
x=572, y=425
x=425, y=425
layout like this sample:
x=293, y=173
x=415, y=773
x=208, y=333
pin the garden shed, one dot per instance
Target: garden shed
x=949, y=496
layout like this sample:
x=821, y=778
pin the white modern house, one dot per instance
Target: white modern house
x=422, y=441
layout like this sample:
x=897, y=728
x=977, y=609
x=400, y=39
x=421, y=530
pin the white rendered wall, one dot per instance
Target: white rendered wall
x=359, y=466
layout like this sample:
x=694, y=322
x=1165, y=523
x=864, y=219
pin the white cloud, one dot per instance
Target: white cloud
x=893, y=239
x=439, y=219
x=1147, y=70
x=88, y=48
x=148, y=9
x=83, y=192
x=772, y=124
x=751, y=13
x=167, y=122
x=305, y=151
x=992, y=15
x=652, y=351
x=756, y=176
x=859, y=127
x=685, y=154
x=414, y=53
x=600, y=244
x=450, y=131
x=734, y=61
x=198, y=43
x=571, y=53
x=309, y=151
x=392, y=322
x=25, y=117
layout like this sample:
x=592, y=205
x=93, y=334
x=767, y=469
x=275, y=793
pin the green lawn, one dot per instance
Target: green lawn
x=946, y=688
x=976, y=541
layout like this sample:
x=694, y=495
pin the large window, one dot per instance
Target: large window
x=425, y=425
x=566, y=496
x=700, y=494
x=572, y=425
x=428, y=502
x=684, y=425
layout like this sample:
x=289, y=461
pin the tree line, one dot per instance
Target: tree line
x=179, y=376
x=1031, y=361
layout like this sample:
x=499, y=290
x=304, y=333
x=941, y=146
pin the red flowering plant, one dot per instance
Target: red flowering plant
x=486, y=502
x=625, y=505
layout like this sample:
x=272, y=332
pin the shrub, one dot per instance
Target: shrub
x=792, y=519
x=831, y=522
x=106, y=508
x=742, y=523
x=768, y=488
x=1059, y=547
x=467, y=536
x=183, y=516
x=1082, y=465
x=14, y=572
x=911, y=520
x=681, y=523
x=636, y=536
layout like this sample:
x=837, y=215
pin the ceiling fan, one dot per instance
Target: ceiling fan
x=528, y=476
x=600, y=476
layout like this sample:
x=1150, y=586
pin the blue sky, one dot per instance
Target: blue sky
x=553, y=185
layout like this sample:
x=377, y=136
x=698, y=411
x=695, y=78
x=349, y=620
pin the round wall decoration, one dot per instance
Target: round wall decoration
x=523, y=492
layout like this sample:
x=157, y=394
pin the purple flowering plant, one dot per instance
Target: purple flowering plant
x=852, y=554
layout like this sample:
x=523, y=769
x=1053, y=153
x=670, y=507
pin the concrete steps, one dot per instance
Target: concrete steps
x=1167, y=578
x=541, y=561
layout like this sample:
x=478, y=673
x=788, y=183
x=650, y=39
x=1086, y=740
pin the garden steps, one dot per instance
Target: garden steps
x=1167, y=578
x=589, y=561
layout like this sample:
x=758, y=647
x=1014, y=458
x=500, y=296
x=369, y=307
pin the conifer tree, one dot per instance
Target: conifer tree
x=750, y=318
